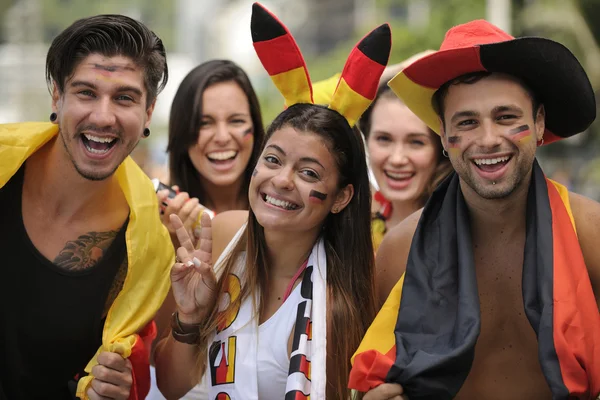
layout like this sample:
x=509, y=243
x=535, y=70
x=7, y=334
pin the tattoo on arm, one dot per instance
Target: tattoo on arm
x=85, y=251
x=116, y=286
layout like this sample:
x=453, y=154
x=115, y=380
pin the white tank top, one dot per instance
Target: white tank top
x=272, y=353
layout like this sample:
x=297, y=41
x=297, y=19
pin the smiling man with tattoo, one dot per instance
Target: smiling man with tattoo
x=494, y=286
x=85, y=259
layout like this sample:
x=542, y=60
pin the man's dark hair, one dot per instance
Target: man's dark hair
x=437, y=101
x=108, y=35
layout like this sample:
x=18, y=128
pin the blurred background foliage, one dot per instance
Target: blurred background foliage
x=416, y=25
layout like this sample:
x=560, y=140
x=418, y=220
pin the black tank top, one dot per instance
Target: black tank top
x=50, y=319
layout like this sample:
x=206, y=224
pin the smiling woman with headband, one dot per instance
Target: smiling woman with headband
x=293, y=289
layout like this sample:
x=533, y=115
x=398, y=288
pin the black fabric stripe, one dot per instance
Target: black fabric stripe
x=263, y=25
x=538, y=280
x=306, y=290
x=435, y=340
x=293, y=395
x=377, y=44
x=299, y=325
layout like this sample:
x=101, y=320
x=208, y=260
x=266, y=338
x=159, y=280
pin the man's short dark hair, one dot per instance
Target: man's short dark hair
x=108, y=35
x=437, y=101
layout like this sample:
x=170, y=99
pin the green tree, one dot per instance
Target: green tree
x=159, y=15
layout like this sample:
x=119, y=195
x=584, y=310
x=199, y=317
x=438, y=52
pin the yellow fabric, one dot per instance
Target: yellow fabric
x=294, y=86
x=149, y=250
x=323, y=90
x=417, y=98
x=380, y=335
x=348, y=102
x=378, y=229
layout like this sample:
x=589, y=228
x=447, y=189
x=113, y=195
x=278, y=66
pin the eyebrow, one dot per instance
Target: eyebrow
x=122, y=88
x=302, y=159
x=509, y=107
x=380, y=132
x=462, y=114
x=229, y=116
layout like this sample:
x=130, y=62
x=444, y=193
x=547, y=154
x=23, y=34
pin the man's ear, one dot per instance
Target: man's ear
x=540, y=122
x=149, y=112
x=443, y=134
x=342, y=199
x=56, y=98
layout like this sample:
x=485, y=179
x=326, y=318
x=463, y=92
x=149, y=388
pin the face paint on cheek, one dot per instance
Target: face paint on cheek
x=454, y=141
x=248, y=133
x=454, y=144
x=255, y=172
x=520, y=134
x=317, y=197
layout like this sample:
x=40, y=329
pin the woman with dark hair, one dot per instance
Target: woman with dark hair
x=215, y=134
x=292, y=291
x=405, y=157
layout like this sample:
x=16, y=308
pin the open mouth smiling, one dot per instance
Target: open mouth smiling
x=97, y=144
x=283, y=204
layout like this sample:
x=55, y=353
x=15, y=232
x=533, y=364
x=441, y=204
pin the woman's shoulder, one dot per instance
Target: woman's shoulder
x=224, y=227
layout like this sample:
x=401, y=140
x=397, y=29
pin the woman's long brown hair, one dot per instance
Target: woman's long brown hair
x=186, y=117
x=351, y=305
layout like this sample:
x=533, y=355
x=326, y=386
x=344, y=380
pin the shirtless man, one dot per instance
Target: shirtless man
x=490, y=124
x=85, y=259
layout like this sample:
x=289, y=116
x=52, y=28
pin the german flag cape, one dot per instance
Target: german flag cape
x=128, y=329
x=426, y=342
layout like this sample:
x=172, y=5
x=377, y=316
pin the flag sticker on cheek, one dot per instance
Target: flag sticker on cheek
x=248, y=133
x=255, y=172
x=454, y=141
x=454, y=144
x=317, y=197
x=521, y=134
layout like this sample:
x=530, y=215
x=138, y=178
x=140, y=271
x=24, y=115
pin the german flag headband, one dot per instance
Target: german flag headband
x=281, y=57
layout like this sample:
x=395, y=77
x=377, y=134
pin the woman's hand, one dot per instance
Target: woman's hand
x=188, y=210
x=192, y=278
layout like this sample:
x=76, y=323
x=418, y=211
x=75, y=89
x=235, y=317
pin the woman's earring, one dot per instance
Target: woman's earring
x=146, y=132
x=445, y=153
x=53, y=117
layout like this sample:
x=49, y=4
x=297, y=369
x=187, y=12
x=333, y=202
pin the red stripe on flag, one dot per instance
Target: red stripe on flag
x=576, y=318
x=279, y=55
x=304, y=366
x=140, y=365
x=301, y=396
x=357, y=66
x=370, y=369
x=221, y=370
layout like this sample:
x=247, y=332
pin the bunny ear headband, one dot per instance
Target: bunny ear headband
x=281, y=57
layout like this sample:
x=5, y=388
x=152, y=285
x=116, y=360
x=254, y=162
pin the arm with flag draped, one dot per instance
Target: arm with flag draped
x=377, y=351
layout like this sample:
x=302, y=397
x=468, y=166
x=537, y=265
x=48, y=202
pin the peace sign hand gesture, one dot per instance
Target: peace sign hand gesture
x=192, y=277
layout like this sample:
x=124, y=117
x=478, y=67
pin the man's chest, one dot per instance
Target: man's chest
x=506, y=354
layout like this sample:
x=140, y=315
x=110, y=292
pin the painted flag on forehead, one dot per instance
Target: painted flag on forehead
x=424, y=337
